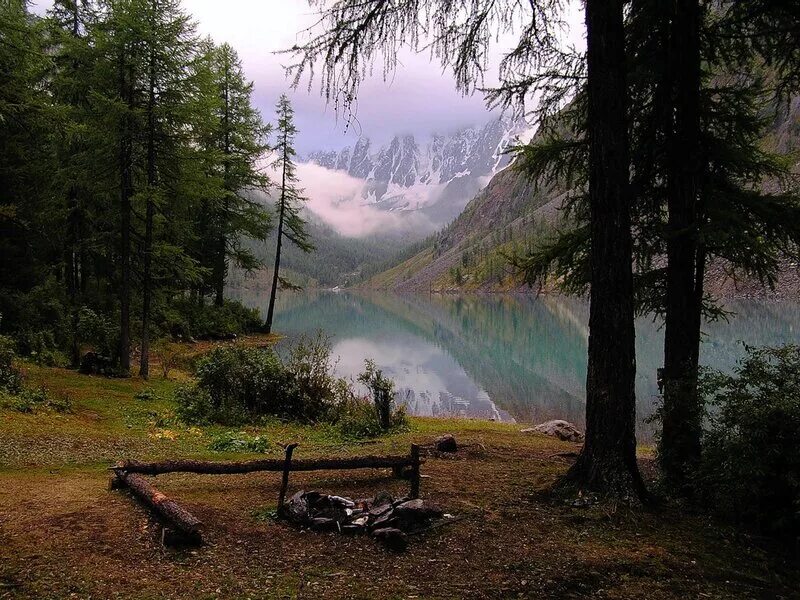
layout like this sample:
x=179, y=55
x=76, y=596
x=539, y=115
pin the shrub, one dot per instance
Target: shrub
x=750, y=468
x=233, y=441
x=358, y=419
x=98, y=331
x=382, y=390
x=186, y=318
x=170, y=355
x=236, y=385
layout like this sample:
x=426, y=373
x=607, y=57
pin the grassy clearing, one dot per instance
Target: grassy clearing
x=64, y=534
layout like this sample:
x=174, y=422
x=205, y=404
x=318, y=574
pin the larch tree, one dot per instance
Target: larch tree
x=169, y=41
x=355, y=32
x=238, y=139
x=289, y=203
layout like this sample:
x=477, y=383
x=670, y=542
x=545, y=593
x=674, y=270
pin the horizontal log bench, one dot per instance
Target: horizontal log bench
x=188, y=529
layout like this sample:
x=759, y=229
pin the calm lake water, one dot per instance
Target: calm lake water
x=510, y=358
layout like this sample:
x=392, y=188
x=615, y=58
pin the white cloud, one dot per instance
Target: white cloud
x=338, y=199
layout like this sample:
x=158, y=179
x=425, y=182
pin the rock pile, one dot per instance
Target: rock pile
x=383, y=517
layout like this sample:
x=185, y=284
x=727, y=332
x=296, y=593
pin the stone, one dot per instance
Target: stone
x=446, y=443
x=385, y=520
x=563, y=430
x=392, y=538
x=382, y=498
x=297, y=507
x=323, y=524
x=415, y=513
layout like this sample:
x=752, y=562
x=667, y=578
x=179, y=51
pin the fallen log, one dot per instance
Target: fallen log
x=177, y=516
x=251, y=466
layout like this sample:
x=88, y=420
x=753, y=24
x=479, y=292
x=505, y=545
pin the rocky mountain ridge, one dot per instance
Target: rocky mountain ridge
x=437, y=177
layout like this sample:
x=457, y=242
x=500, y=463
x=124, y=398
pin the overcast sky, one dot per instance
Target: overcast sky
x=420, y=99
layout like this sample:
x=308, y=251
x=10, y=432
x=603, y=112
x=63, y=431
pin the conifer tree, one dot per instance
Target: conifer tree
x=169, y=41
x=290, y=200
x=238, y=139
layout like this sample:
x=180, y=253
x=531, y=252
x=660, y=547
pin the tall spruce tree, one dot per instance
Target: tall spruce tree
x=290, y=200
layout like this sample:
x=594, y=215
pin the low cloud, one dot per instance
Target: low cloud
x=340, y=201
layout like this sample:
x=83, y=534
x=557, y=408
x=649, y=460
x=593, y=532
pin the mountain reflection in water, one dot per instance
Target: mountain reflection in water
x=508, y=358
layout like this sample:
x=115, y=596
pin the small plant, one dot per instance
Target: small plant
x=146, y=395
x=239, y=441
x=750, y=467
x=169, y=354
x=29, y=400
x=382, y=389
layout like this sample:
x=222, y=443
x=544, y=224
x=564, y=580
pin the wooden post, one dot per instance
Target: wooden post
x=414, y=471
x=287, y=463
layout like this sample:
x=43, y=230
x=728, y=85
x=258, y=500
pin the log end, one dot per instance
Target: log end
x=173, y=538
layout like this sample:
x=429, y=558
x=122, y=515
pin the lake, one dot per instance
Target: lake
x=508, y=358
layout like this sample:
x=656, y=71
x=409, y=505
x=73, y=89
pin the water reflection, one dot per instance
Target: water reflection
x=500, y=357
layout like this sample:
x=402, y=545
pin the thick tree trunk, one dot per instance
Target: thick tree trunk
x=275, y=275
x=680, y=441
x=607, y=463
x=126, y=185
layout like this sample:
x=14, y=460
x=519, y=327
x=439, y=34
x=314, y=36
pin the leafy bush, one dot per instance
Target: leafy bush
x=98, y=331
x=382, y=390
x=186, y=319
x=358, y=419
x=170, y=355
x=750, y=467
x=233, y=441
x=237, y=385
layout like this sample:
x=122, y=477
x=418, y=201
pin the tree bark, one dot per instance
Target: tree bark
x=126, y=185
x=607, y=463
x=172, y=512
x=680, y=440
x=147, y=277
x=252, y=466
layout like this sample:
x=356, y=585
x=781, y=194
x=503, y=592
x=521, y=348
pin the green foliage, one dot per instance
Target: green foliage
x=239, y=441
x=10, y=377
x=382, y=390
x=146, y=395
x=237, y=385
x=358, y=419
x=750, y=468
x=97, y=331
x=186, y=319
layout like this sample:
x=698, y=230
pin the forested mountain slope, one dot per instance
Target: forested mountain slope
x=510, y=213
